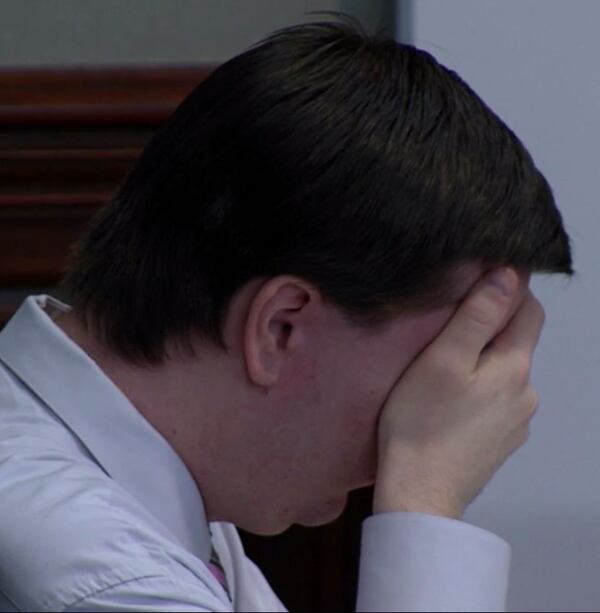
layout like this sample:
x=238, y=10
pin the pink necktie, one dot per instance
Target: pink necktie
x=217, y=570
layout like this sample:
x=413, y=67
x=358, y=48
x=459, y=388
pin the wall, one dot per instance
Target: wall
x=136, y=31
x=536, y=64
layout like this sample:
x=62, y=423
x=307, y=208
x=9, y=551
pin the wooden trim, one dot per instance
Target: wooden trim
x=68, y=137
x=83, y=115
x=49, y=155
x=98, y=85
x=13, y=205
x=94, y=95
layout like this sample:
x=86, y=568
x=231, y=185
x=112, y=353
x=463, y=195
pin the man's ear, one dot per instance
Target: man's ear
x=275, y=326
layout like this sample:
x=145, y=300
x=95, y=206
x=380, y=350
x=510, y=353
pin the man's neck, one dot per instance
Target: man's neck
x=170, y=397
x=223, y=430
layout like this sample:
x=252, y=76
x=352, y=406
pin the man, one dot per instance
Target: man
x=315, y=279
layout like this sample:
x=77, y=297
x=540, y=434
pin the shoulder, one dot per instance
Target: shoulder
x=69, y=533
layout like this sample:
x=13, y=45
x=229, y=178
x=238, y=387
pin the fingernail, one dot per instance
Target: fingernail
x=504, y=281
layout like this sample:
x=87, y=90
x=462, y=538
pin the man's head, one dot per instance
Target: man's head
x=309, y=216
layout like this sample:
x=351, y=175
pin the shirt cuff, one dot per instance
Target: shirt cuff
x=418, y=562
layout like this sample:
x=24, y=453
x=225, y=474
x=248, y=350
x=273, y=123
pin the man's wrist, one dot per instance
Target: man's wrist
x=395, y=493
x=405, y=504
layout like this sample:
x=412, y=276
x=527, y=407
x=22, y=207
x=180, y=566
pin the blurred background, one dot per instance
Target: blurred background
x=34, y=32
x=83, y=85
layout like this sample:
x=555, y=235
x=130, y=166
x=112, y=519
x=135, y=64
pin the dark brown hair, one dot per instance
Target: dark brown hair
x=357, y=163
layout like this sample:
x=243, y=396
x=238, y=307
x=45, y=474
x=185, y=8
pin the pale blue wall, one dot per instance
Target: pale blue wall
x=536, y=63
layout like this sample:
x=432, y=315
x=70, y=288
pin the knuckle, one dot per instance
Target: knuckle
x=483, y=312
x=520, y=437
x=521, y=366
x=532, y=402
x=524, y=435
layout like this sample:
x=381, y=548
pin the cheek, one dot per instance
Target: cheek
x=380, y=364
x=359, y=412
x=348, y=391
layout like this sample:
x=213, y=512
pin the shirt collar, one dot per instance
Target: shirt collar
x=121, y=440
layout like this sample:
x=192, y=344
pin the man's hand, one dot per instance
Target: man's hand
x=464, y=406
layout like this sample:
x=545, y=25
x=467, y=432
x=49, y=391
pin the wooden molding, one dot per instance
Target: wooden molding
x=94, y=95
x=68, y=137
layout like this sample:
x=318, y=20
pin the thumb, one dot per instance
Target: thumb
x=479, y=318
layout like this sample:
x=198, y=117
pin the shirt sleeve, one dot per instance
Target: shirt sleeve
x=418, y=562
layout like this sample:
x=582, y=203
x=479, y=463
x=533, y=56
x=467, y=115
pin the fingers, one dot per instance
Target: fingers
x=522, y=334
x=478, y=319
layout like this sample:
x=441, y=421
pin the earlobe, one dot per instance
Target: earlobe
x=272, y=325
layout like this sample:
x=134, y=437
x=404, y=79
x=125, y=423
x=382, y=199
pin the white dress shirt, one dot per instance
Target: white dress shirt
x=98, y=512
